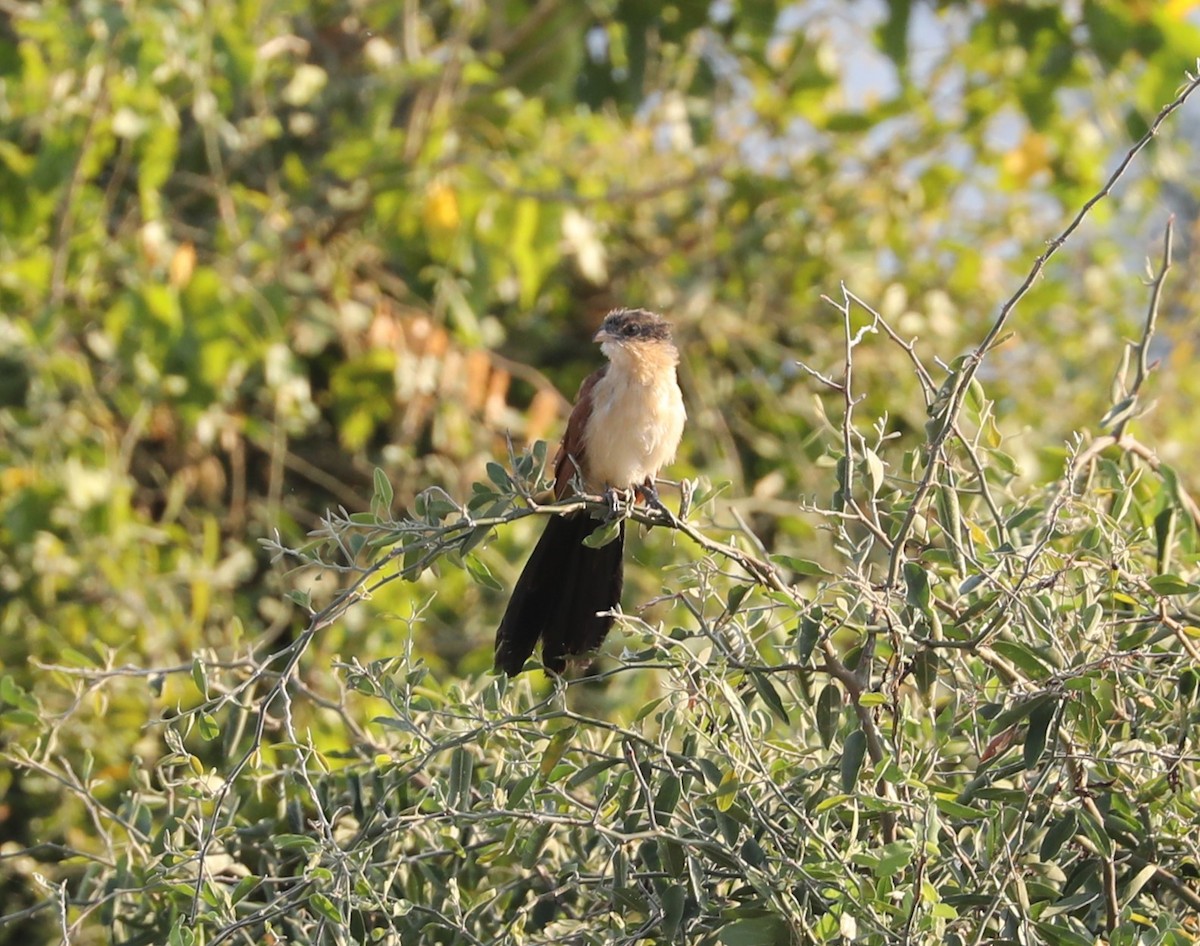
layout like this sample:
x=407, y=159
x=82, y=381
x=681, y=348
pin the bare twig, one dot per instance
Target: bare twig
x=1143, y=346
x=933, y=449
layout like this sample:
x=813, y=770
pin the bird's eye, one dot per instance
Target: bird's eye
x=629, y=330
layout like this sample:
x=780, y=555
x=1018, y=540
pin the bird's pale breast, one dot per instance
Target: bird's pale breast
x=634, y=428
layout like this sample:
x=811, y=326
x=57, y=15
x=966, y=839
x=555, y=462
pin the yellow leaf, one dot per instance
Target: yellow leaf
x=977, y=534
x=183, y=264
x=14, y=478
x=1028, y=158
x=727, y=791
x=440, y=212
x=1179, y=9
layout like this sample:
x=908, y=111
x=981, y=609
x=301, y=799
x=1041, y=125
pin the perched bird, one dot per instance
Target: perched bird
x=624, y=428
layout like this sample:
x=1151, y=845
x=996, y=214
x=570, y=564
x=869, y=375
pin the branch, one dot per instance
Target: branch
x=1143, y=347
x=973, y=361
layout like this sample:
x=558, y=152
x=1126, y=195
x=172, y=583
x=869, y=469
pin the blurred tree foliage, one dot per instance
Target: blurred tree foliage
x=251, y=250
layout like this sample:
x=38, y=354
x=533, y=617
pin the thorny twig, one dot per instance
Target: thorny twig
x=933, y=449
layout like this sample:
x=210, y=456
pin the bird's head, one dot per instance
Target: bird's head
x=637, y=339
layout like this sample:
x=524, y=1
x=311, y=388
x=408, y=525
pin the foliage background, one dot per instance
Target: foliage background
x=252, y=250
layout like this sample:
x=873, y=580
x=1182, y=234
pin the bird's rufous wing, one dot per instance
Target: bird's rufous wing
x=569, y=462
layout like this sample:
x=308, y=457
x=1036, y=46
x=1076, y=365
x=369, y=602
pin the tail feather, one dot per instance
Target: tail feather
x=559, y=594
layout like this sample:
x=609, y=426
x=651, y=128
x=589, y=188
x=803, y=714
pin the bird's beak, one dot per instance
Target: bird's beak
x=601, y=336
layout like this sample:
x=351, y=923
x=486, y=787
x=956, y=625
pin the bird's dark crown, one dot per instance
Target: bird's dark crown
x=636, y=324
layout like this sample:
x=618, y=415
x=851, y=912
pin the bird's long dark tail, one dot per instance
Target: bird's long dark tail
x=559, y=594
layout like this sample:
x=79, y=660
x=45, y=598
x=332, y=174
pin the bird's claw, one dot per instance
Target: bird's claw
x=620, y=502
x=650, y=493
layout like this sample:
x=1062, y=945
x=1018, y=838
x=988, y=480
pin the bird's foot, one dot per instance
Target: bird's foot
x=649, y=493
x=620, y=502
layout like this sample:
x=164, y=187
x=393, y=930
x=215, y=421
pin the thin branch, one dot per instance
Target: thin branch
x=973, y=361
x=1143, y=347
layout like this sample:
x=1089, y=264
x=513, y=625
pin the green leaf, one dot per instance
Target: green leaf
x=243, y=888
x=1024, y=657
x=755, y=931
x=209, y=730
x=607, y=533
x=298, y=597
x=555, y=750
x=925, y=667
x=1172, y=585
x=1060, y=935
x=520, y=789
x=709, y=493
x=535, y=843
x=674, y=900
x=955, y=809
x=752, y=853
x=1097, y=833
x=1070, y=906
x=832, y=802
x=69, y=655
x=1040, y=719
x=286, y=842
x=829, y=705
x=875, y=471
x=801, y=566
x=916, y=581
x=667, y=798
x=480, y=573
x=1016, y=713
x=893, y=34
x=727, y=791
x=21, y=717
x=893, y=858
x=806, y=639
x=438, y=508
x=1059, y=834
x=462, y=767
x=181, y=935
x=737, y=594
x=1164, y=538
x=383, y=492
x=200, y=676
x=1089, y=617
x=647, y=708
x=499, y=476
x=480, y=496
x=1119, y=411
x=971, y=583
x=476, y=536
x=590, y=772
x=1021, y=518
x=770, y=696
x=1134, y=639
x=323, y=905
x=1189, y=683
x=853, y=753
x=976, y=608
x=15, y=695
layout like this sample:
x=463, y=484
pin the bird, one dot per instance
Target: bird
x=625, y=427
